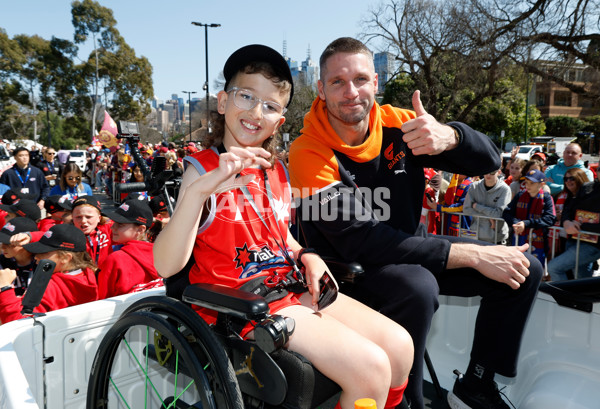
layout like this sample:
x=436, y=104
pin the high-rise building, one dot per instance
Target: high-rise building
x=385, y=67
x=310, y=70
x=304, y=74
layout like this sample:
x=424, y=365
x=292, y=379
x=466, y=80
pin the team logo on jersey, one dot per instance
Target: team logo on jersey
x=389, y=152
x=255, y=259
x=393, y=157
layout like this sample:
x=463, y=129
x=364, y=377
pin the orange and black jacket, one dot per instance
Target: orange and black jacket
x=363, y=203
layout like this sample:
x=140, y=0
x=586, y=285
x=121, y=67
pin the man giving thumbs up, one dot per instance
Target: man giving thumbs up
x=357, y=169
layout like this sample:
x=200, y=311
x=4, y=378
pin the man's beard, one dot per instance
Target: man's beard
x=352, y=118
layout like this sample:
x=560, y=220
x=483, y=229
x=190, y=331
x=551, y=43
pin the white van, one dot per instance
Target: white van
x=79, y=157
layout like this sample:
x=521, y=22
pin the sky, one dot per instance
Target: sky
x=162, y=31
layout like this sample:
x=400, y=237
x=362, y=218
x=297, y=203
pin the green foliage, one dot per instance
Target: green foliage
x=564, y=126
x=38, y=75
x=294, y=117
x=399, y=91
x=592, y=124
x=507, y=112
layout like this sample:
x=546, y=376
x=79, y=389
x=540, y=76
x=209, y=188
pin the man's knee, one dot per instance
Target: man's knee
x=405, y=287
x=536, y=270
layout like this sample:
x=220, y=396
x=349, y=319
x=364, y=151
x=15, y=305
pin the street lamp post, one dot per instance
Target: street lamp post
x=205, y=87
x=190, y=109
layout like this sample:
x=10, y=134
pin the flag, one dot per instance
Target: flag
x=108, y=133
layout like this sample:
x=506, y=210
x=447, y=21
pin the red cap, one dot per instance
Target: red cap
x=541, y=155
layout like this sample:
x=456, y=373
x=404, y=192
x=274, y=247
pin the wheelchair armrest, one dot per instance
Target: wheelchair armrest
x=579, y=294
x=342, y=271
x=230, y=301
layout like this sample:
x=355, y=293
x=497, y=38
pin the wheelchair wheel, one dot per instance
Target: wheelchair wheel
x=153, y=359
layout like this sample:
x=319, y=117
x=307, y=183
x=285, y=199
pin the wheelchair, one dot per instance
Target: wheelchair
x=162, y=354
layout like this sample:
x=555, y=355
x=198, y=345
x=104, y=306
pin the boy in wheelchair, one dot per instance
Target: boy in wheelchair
x=232, y=214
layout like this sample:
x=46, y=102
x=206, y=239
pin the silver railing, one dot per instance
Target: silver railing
x=475, y=234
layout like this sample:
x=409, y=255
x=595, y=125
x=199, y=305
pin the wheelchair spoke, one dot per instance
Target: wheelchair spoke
x=161, y=358
x=145, y=372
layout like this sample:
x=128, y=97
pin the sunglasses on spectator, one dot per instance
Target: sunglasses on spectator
x=77, y=178
x=50, y=153
x=569, y=178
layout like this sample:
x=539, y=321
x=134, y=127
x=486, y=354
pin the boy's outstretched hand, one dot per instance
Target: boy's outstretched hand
x=231, y=163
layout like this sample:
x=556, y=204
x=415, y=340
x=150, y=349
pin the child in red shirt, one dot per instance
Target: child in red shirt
x=131, y=268
x=56, y=206
x=73, y=281
x=87, y=217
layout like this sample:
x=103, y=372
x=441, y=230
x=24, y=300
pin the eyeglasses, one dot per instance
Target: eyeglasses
x=244, y=99
x=77, y=178
x=51, y=153
x=569, y=179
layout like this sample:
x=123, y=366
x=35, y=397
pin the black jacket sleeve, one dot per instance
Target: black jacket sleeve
x=475, y=154
x=340, y=221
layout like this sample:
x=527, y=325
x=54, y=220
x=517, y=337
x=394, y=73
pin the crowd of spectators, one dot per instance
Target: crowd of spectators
x=509, y=206
x=51, y=208
x=519, y=204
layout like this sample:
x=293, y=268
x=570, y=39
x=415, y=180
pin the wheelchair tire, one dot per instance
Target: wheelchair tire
x=210, y=348
x=175, y=371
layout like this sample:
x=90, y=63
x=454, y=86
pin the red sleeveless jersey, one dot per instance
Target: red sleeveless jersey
x=233, y=245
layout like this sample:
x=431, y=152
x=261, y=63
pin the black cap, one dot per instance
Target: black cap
x=16, y=225
x=87, y=200
x=59, y=237
x=257, y=53
x=57, y=203
x=24, y=208
x=158, y=204
x=11, y=196
x=133, y=211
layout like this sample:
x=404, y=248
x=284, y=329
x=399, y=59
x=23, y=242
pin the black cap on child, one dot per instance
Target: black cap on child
x=132, y=211
x=24, y=208
x=59, y=237
x=16, y=225
x=257, y=53
x=57, y=203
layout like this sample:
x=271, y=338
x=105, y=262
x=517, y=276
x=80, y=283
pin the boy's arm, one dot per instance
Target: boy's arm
x=496, y=212
x=468, y=208
x=548, y=216
x=508, y=213
x=173, y=246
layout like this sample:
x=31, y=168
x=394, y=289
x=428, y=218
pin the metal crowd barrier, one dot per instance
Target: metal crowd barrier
x=557, y=231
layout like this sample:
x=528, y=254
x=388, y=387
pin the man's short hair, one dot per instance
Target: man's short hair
x=343, y=45
x=20, y=149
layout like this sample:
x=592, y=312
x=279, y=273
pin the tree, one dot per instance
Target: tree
x=432, y=46
x=456, y=51
x=398, y=92
x=564, y=126
x=113, y=62
x=294, y=117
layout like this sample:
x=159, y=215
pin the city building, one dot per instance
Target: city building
x=385, y=67
x=553, y=99
x=304, y=74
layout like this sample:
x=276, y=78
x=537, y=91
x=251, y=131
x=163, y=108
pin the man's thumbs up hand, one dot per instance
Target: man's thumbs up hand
x=417, y=104
x=424, y=135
